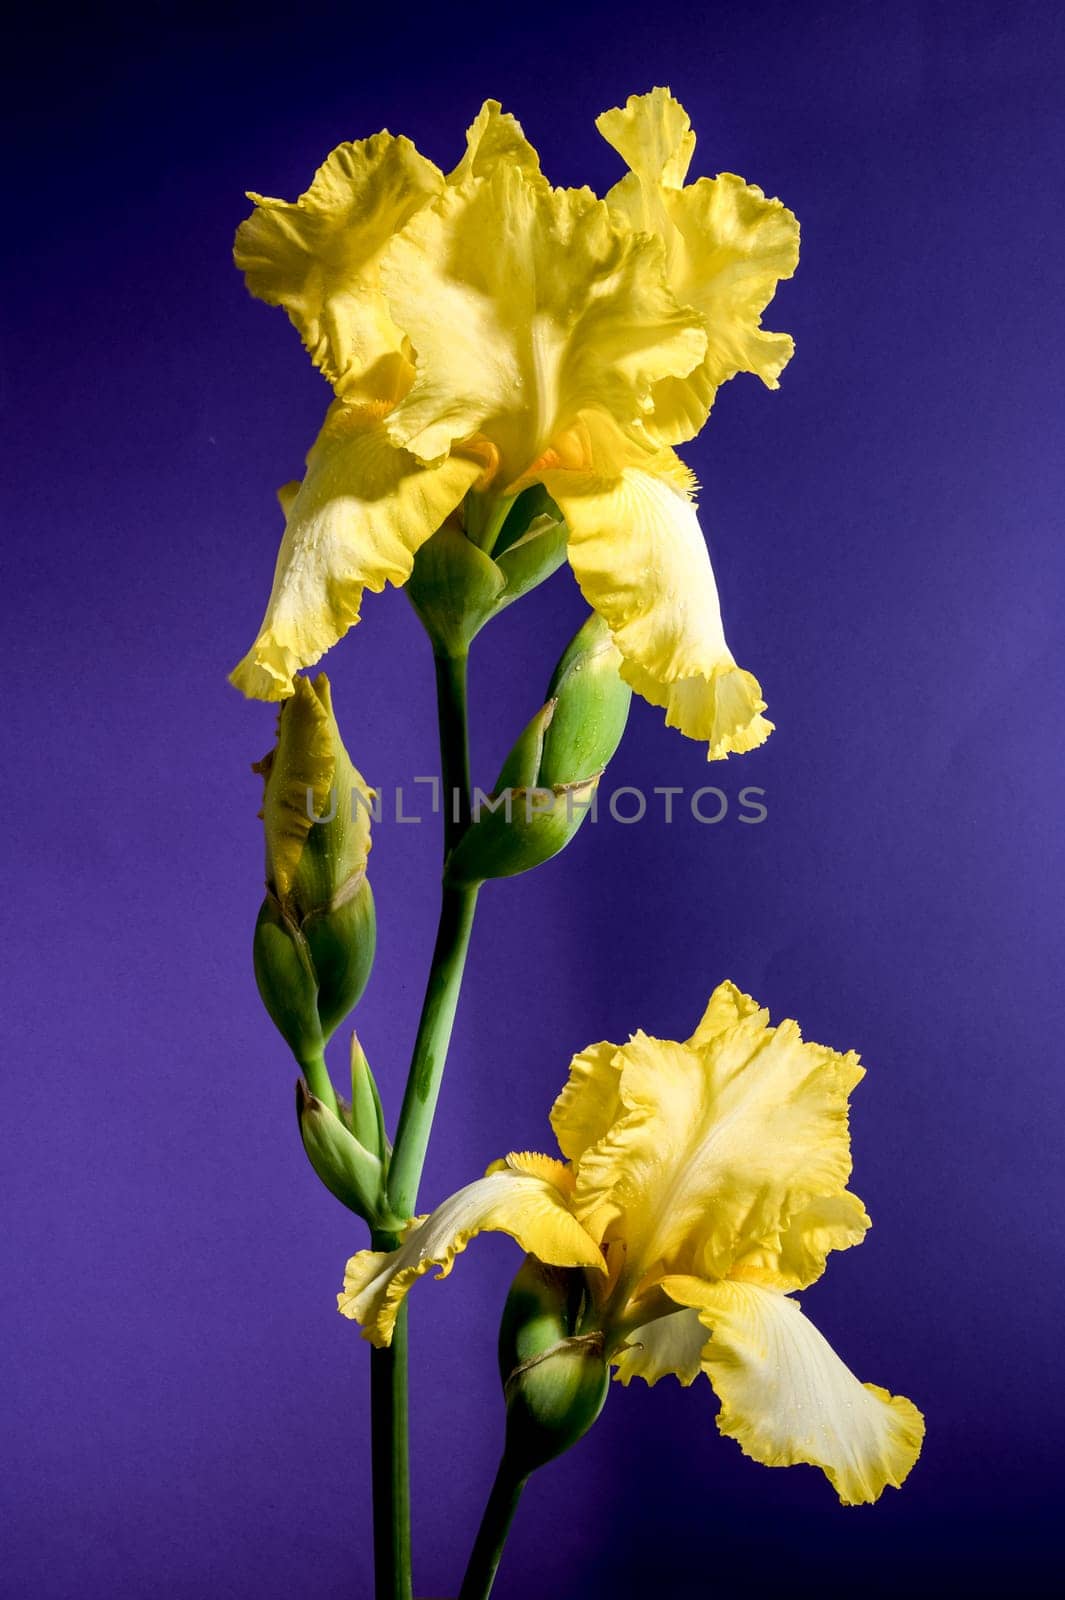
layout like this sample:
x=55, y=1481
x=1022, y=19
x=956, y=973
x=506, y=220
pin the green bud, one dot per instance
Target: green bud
x=348, y=1170
x=315, y=936
x=548, y=781
x=591, y=707
x=555, y=1379
x=287, y=980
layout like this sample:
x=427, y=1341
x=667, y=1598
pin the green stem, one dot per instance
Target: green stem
x=388, y=1370
x=318, y=1080
x=457, y=908
x=390, y=1459
x=492, y=1534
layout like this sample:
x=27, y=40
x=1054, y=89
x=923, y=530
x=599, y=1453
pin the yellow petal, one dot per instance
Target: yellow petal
x=726, y=248
x=362, y=511
x=492, y=139
x=639, y=556
x=831, y=1222
x=527, y=306
x=652, y=135
x=515, y=1198
x=726, y=1006
x=589, y=1102
x=717, y=1148
x=786, y=1396
x=670, y=1346
x=319, y=256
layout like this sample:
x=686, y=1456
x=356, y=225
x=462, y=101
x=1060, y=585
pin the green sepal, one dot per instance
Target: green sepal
x=541, y=823
x=349, y=1171
x=454, y=587
x=521, y=769
x=555, y=1379
x=533, y=506
x=286, y=980
x=367, y=1114
x=341, y=940
x=532, y=544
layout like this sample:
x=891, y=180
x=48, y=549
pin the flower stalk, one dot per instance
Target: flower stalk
x=388, y=1367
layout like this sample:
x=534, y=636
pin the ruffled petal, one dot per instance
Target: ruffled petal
x=831, y=1222
x=494, y=138
x=670, y=1346
x=726, y=248
x=639, y=556
x=726, y=1006
x=362, y=511
x=653, y=136
x=319, y=257
x=526, y=306
x=717, y=1148
x=589, y=1102
x=525, y=1197
x=787, y=1397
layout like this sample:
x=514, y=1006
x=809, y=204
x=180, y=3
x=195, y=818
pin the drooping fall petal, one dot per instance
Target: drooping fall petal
x=361, y=512
x=526, y=1197
x=787, y=1397
x=639, y=556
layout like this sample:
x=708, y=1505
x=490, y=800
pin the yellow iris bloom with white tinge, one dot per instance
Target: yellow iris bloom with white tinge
x=486, y=331
x=703, y=1183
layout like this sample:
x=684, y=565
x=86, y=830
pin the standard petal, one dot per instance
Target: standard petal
x=588, y=1105
x=716, y=1149
x=362, y=511
x=527, y=306
x=787, y=1397
x=670, y=1346
x=653, y=135
x=318, y=258
x=726, y=248
x=639, y=556
x=726, y=1006
x=526, y=1197
x=493, y=138
x=797, y=1259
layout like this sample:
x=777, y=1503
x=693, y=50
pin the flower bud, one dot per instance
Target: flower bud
x=548, y=781
x=316, y=931
x=555, y=1380
x=348, y=1170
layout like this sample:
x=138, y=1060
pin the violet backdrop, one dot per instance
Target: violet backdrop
x=185, y=1412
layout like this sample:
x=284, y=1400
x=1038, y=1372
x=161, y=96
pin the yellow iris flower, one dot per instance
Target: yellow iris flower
x=703, y=1183
x=485, y=331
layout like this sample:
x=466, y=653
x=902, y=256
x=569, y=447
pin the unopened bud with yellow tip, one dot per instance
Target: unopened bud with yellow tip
x=316, y=931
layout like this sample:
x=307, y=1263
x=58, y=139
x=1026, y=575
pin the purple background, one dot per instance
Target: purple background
x=187, y=1413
